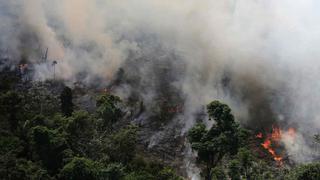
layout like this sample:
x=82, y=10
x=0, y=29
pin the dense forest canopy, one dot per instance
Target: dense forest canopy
x=162, y=89
x=44, y=135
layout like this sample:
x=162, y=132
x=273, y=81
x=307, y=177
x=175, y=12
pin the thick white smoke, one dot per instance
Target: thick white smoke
x=259, y=56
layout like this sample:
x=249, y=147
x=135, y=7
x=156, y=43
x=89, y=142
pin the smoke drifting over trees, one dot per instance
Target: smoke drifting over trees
x=260, y=57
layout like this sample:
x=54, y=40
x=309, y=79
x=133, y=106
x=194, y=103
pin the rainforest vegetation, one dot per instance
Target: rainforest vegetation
x=45, y=135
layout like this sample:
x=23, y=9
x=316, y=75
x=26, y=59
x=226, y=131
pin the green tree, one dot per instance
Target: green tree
x=167, y=174
x=80, y=169
x=38, y=120
x=80, y=131
x=66, y=102
x=48, y=146
x=40, y=100
x=121, y=146
x=234, y=169
x=159, y=173
x=140, y=175
x=10, y=144
x=306, y=172
x=260, y=170
x=25, y=170
x=225, y=125
x=221, y=139
x=11, y=109
x=217, y=173
x=113, y=171
x=141, y=168
x=108, y=109
x=10, y=148
x=246, y=159
x=8, y=79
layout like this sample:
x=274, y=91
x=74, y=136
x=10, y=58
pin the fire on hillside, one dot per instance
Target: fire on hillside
x=272, y=142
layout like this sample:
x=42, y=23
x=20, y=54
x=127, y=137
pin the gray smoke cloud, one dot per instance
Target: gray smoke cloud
x=258, y=56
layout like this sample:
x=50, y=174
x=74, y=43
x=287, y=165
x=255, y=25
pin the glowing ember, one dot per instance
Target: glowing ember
x=267, y=145
x=259, y=135
x=273, y=140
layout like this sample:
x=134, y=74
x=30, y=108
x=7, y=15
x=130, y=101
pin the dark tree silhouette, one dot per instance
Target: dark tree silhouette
x=66, y=102
x=221, y=139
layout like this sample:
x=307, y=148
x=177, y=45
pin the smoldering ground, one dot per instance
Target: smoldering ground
x=260, y=57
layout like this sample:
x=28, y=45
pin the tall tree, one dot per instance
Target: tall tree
x=11, y=108
x=221, y=139
x=66, y=102
x=47, y=146
x=108, y=109
x=80, y=169
x=121, y=146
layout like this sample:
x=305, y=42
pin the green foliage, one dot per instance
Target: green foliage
x=221, y=113
x=121, y=146
x=24, y=170
x=113, y=171
x=108, y=109
x=11, y=109
x=234, y=169
x=39, y=100
x=217, y=173
x=10, y=144
x=47, y=146
x=243, y=136
x=58, y=121
x=10, y=148
x=8, y=80
x=42, y=143
x=138, y=163
x=260, y=171
x=80, y=124
x=81, y=169
x=222, y=138
x=306, y=172
x=225, y=126
x=245, y=158
x=150, y=169
x=80, y=130
x=66, y=102
x=197, y=133
x=141, y=175
x=167, y=174
x=38, y=120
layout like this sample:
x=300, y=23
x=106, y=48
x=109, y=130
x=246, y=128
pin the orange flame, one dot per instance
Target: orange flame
x=272, y=140
x=259, y=135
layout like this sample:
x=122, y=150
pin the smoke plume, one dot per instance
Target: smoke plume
x=259, y=56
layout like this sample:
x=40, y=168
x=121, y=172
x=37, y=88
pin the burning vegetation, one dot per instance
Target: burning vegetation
x=223, y=150
x=138, y=87
x=273, y=142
